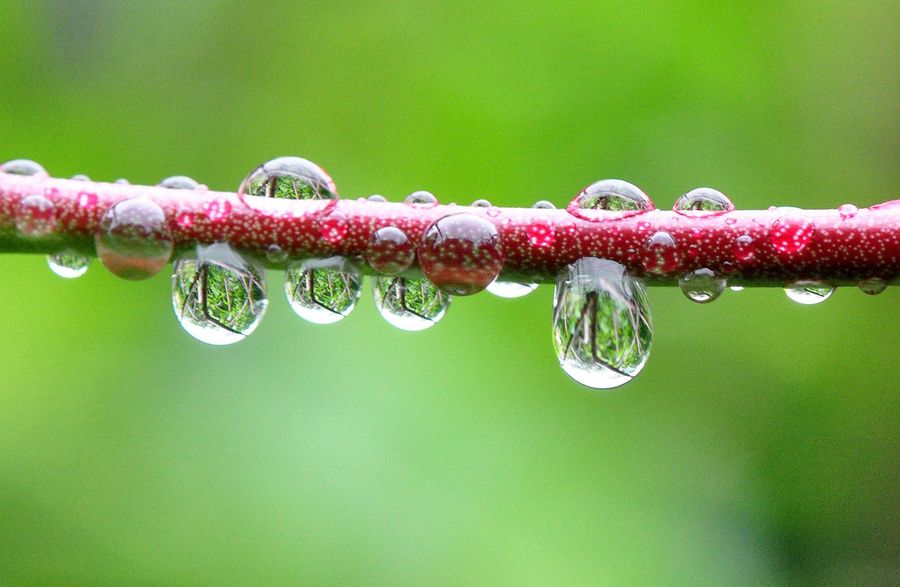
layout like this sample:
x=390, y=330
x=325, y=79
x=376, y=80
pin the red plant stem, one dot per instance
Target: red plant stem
x=841, y=250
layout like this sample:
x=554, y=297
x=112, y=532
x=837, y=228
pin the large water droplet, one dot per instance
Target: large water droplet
x=872, y=286
x=390, y=251
x=23, y=167
x=421, y=199
x=702, y=285
x=178, y=182
x=410, y=304
x=133, y=239
x=790, y=234
x=609, y=199
x=218, y=296
x=809, y=292
x=35, y=216
x=661, y=254
x=510, y=289
x=290, y=178
x=461, y=253
x=601, y=323
x=323, y=291
x=68, y=264
x=703, y=202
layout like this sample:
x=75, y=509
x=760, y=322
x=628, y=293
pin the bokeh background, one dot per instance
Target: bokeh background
x=758, y=447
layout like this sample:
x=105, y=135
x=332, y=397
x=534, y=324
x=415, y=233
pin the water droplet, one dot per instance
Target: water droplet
x=133, y=240
x=609, y=199
x=730, y=221
x=736, y=288
x=410, y=304
x=178, y=182
x=421, y=199
x=872, y=286
x=122, y=181
x=744, y=248
x=702, y=286
x=541, y=232
x=390, y=251
x=218, y=296
x=23, y=167
x=323, y=291
x=80, y=177
x=482, y=203
x=276, y=254
x=289, y=178
x=703, y=202
x=601, y=323
x=790, y=234
x=68, y=264
x=217, y=210
x=847, y=211
x=35, y=216
x=461, y=253
x=809, y=292
x=334, y=227
x=544, y=205
x=376, y=198
x=661, y=254
x=510, y=289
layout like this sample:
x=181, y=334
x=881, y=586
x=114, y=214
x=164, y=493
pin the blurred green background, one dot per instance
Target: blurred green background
x=758, y=447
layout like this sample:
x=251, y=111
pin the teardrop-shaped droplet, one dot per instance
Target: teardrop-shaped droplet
x=133, y=239
x=847, y=211
x=289, y=178
x=390, y=251
x=461, y=253
x=543, y=205
x=510, y=289
x=609, y=199
x=323, y=291
x=178, y=182
x=410, y=304
x=790, y=234
x=703, y=202
x=702, y=285
x=809, y=292
x=661, y=254
x=421, y=199
x=601, y=323
x=68, y=264
x=872, y=286
x=218, y=296
x=35, y=216
x=23, y=167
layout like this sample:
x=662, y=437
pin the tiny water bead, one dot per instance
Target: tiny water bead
x=461, y=253
x=809, y=292
x=847, y=211
x=35, y=216
x=217, y=210
x=421, y=199
x=703, y=202
x=376, y=198
x=23, y=167
x=133, y=240
x=323, y=291
x=80, y=177
x=601, y=323
x=609, y=199
x=872, y=286
x=661, y=254
x=510, y=289
x=744, y=248
x=68, y=264
x=543, y=205
x=702, y=286
x=390, y=251
x=290, y=178
x=276, y=254
x=790, y=234
x=219, y=297
x=178, y=182
x=409, y=304
x=481, y=203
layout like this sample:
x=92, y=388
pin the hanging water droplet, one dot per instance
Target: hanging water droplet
x=609, y=199
x=218, y=296
x=702, y=285
x=376, y=198
x=809, y=292
x=601, y=323
x=276, y=254
x=461, y=253
x=544, y=205
x=510, y=289
x=80, y=177
x=482, y=203
x=703, y=202
x=847, y=211
x=323, y=291
x=661, y=254
x=35, y=216
x=289, y=178
x=23, y=167
x=409, y=304
x=790, y=234
x=68, y=264
x=178, y=182
x=872, y=286
x=390, y=251
x=421, y=199
x=133, y=239
x=744, y=248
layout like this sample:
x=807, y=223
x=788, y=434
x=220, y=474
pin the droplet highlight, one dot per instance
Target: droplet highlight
x=133, y=240
x=510, y=289
x=461, y=253
x=323, y=291
x=409, y=304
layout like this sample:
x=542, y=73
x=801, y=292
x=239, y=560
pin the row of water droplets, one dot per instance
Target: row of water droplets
x=601, y=319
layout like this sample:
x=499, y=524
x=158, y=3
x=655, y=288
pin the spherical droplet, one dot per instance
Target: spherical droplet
x=461, y=253
x=276, y=254
x=410, y=304
x=609, y=199
x=544, y=205
x=661, y=254
x=744, y=248
x=421, y=199
x=35, y=216
x=601, y=323
x=702, y=286
x=323, y=291
x=178, y=182
x=790, y=234
x=872, y=286
x=541, y=232
x=390, y=251
x=218, y=296
x=23, y=167
x=809, y=292
x=847, y=211
x=703, y=202
x=133, y=240
x=68, y=264
x=510, y=289
x=333, y=227
x=482, y=203
x=376, y=198
x=289, y=178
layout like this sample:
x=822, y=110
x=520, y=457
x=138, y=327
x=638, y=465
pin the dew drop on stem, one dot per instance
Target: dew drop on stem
x=409, y=304
x=323, y=291
x=68, y=264
x=809, y=292
x=133, y=240
x=609, y=199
